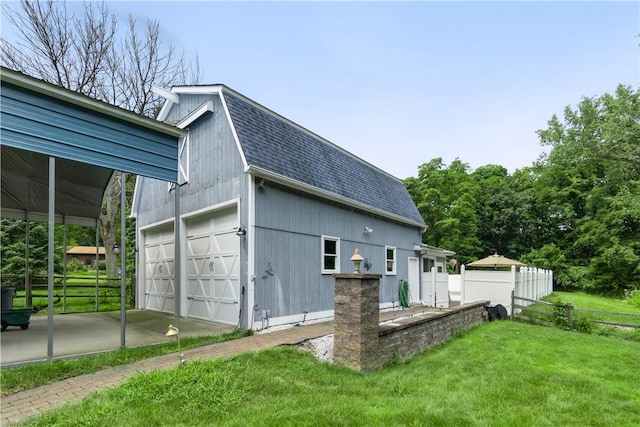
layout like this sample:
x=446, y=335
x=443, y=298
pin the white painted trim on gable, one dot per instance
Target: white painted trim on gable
x=201, y=110
x=134, y=199
x=233, y=132
x=164, y=111
x=209, y=90
x=184, y=148
x=298, y=185
x=220, y=88
x=169, y=96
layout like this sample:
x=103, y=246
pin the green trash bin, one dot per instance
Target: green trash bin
x=6, y=298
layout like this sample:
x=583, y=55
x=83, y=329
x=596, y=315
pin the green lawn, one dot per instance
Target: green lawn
x=499, y=374
x=80, y=291
x=594, y=302
x=13, y=380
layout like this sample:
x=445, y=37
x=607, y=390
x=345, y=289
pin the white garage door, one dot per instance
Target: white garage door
x=213, y=280
x=159, y=252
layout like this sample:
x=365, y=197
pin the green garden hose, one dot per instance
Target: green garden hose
x=403, y=293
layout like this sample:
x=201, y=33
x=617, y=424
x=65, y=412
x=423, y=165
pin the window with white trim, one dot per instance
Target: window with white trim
x=390, y=260
x=330, y=250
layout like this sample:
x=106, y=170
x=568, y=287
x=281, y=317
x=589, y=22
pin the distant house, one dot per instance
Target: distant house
x=269, y=211
x=86, y=254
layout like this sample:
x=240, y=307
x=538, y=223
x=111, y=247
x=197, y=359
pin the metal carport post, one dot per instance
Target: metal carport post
x=44, y=126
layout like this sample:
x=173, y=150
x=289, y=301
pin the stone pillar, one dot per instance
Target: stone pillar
x=356, y=321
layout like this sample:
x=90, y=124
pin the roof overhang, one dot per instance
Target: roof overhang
x=79, y=188
x=87, y=103
x=88, y=139
x=306, y=188
x=429, y=250
x=172, y=98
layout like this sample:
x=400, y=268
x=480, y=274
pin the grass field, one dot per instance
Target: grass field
x=13, y=380
x=594, y=302
x=591, y=314
x=499, y=374
x=81, y=294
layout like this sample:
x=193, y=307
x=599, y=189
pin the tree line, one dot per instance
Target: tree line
x=576, y=210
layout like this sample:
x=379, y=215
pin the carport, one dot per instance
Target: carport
x=59, y=150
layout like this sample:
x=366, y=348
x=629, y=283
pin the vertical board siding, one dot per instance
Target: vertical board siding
x=215, y=167
x=215, y=174
x=288, y=223
x=289, y=226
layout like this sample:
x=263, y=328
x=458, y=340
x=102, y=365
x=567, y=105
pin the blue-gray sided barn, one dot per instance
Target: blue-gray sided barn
x=269, y=211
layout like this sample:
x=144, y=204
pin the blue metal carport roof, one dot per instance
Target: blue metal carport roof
x=89, y=138
x=59, y=150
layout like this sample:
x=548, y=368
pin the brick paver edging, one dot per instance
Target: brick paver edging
x=19, y=406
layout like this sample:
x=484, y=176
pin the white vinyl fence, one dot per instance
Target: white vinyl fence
x=496, y=286
x=435, y=289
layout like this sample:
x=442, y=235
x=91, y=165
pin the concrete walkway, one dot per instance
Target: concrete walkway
x=78, y=334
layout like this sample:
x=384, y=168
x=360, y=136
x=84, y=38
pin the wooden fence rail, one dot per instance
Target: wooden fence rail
x=98, y=291
x=566, y=316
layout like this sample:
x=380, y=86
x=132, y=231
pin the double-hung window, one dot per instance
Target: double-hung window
x=390, y=260
x=330, y=250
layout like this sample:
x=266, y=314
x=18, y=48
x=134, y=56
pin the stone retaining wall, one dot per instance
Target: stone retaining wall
x=407, y=337
x=361, y=343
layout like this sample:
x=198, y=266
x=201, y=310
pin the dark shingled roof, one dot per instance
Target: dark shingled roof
x=277, y=145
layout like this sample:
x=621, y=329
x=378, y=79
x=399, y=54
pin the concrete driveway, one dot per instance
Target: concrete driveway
x=76, y=334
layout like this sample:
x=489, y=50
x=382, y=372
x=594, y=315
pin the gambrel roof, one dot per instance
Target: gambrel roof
x=278, y=149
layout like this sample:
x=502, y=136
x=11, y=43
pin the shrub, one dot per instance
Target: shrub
x=615, y=269
x=632, y=296
x=560, y=314
x=75, y=265
x=582, y=325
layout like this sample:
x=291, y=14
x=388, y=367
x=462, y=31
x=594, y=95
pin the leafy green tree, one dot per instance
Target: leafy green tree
x=590, y=184
x=446, y=199
x=616, y=270
x=13, y=250
x=496, y=210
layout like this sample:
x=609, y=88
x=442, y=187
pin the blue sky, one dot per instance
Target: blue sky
x=400, y=83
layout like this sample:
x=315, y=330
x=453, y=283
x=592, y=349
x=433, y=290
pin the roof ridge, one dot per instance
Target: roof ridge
x=222, y=88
